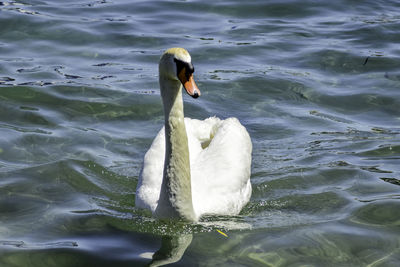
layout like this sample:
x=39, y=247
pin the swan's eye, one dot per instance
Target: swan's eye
x=187, y=66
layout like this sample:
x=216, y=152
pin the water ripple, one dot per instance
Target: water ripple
x=315, y=84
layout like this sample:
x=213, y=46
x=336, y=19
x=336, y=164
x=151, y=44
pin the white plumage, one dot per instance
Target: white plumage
x=220, y=171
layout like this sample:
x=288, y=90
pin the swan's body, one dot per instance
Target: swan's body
x=193, y=167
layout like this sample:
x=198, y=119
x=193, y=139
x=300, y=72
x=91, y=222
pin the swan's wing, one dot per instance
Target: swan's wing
x=199, y=133
x=150, y=179
x=220, y=171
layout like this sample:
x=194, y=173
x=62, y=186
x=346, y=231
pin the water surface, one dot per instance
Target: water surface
x=316, y=84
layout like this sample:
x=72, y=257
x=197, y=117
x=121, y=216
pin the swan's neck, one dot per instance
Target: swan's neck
x=176, y=193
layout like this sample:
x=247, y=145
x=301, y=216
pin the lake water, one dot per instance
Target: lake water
x=316, y=83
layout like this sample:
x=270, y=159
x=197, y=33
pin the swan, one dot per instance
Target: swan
x=193, y=167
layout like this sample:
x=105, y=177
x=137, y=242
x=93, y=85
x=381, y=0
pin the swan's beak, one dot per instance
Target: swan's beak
x=189, y=84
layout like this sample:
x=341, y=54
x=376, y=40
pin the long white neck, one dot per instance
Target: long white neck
x=176, y=193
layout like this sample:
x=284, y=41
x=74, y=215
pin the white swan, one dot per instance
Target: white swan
x=193, y=167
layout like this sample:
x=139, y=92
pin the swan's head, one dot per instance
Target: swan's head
x=176, y=64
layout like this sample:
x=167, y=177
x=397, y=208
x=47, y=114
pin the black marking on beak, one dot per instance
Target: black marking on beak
x=195, y=94
x=188, y=66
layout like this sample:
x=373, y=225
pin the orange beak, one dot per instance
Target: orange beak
x=189, y=84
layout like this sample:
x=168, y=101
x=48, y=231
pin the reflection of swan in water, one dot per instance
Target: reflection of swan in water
x=172, y=249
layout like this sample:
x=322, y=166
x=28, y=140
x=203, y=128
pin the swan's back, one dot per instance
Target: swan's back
x=220, y=162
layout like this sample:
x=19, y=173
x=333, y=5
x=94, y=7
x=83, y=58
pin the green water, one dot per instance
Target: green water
x=316, y=84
